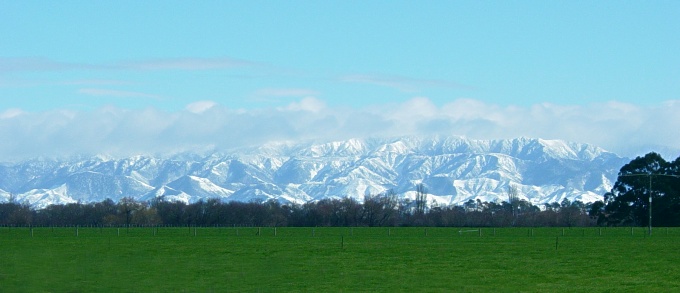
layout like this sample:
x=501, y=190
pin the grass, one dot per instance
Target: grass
x=338, y=259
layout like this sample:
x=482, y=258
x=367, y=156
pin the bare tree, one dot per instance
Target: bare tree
x=421, y=199
x=127, y=206
x=513, y=200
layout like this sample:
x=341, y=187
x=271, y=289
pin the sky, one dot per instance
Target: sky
x=142, y=77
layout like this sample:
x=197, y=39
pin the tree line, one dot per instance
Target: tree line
x=627, y=204
x=376, y=210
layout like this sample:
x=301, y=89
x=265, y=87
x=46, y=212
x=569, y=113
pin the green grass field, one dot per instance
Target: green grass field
x=338, y=259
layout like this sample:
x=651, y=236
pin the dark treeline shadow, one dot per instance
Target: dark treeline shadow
x=377, y=210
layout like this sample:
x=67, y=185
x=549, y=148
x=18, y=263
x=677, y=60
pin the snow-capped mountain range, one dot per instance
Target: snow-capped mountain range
x=452, y=169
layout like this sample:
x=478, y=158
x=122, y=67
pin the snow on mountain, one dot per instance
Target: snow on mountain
x=190, y=189
x=41, y=198
x=453, y=170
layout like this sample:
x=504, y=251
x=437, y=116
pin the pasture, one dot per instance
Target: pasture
x=189, y=259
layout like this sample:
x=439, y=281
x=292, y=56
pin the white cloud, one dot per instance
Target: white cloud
x=200, y=106
x=623, y=128
x=278, y=95
x=306, y=104
x=11, y=113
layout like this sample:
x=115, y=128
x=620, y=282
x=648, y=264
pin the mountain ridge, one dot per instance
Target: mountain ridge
x=453, y=170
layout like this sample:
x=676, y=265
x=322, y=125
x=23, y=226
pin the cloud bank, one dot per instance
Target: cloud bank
x=623, y=128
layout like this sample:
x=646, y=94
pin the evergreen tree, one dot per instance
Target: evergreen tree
x=628, y=201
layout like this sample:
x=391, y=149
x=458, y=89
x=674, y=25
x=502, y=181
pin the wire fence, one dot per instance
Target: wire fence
x=9, y=231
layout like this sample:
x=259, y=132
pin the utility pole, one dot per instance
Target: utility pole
x=650, y=205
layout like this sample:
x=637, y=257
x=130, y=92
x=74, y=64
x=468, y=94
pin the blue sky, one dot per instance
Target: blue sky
x=479, y=63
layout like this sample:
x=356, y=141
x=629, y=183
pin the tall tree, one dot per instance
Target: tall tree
x=421, y=199
x=513, y=200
